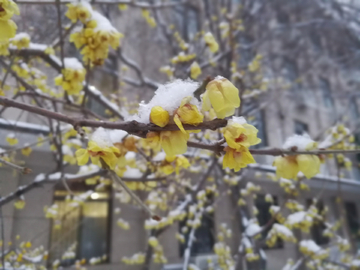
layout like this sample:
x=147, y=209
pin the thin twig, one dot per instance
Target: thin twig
x=23, y=170
x=134, y=196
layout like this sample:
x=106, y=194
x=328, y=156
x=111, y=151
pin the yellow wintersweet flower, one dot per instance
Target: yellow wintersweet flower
x=107, y=154
x=19, y=204
x=8, y=9
x=123, y=6
x=7, y=30
x=159, y=116
x=222, y=95
x=174, y=164
x=289, y=166
x=238, y=133
x=72, y=77
x=174, y=142
x=195, y=70
x=95, y=38
x=11, y=139
x=4, y=48
x=237, y=159
x=80, y=11
x=26, y=151
x=169, y=71
x=187, y=114
x=21, y=41
x=49, y=50
x=211, y=42
x=152, y=141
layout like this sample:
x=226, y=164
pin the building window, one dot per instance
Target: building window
x=264, y=216
x=300, y=128
x=204, y=237
x=187, y=20
x=353, y=220
x=80, y=228
x=259, y=123
x=326, y=93
x=354, y=110
x=319, y=225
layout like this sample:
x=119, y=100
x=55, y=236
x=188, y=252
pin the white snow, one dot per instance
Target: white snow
x=169, y=97
x=302, y=142
x=20, y=36
x=282, y=230
x=130, y=155
x=310, y=245
x=238, y=120
x=91, y=168
x=159, y=157
x=102, y=138
x=117, y=135
x=132, y=173
x=40, y=47
x=298, y=217
x=55, y=176
x=103, y=24
x=66, y=150
x=39, y=177
x=253, y=228
x=73, y=63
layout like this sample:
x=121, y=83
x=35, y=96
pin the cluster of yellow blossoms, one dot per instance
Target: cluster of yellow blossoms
x=311, y=249
x=279, y=231
x=158, y=256
x=102, y=151
x=96, y=35
x=20, y=41
x=136, y=259
x=149, y=19
x=72, y=77
x=7, y=27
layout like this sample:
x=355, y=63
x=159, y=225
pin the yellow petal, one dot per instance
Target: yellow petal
x=179, y=124
x=82, y=156
x=286, y=167
x=309, y=165
x=7, y=30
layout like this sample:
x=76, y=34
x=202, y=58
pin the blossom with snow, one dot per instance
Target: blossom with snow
x=26, y=150
x=72, y=77
x=96, y=35
x=289, y=166
x=100, y=149
x=20, y=41
x=187, y=113
x=238, y=133
x=11, y=139
x=222, y=96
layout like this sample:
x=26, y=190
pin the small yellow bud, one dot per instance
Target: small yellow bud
x=159, y=116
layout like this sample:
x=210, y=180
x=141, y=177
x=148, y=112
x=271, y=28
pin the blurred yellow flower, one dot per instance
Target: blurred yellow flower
x=222, y=95
x=237, y=159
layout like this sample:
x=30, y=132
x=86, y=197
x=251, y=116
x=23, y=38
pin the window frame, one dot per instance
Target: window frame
x=82, y=187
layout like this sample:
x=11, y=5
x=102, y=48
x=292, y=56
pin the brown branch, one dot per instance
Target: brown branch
x=107, y=2
x=131, y=127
